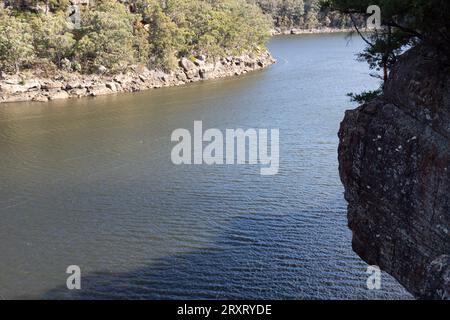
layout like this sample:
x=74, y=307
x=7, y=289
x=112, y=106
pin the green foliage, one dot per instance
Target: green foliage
x=305, y=14
x=424, y=16
x=311, y=18
x=141, y=45
x=16, y=47
x=232, y=27
x=212, y=28
x=165, y=37
x=38, y=5
x=115, y=35
x=51, y=37
x=107, y=37
x=58, y=5
x=365, y=96
x=405, y=23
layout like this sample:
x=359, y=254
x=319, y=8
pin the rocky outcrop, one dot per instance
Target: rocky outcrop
x=15, y=88
x=394, y=157
x=297, y=31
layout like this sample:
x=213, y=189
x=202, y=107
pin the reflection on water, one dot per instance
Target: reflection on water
x=89, y=182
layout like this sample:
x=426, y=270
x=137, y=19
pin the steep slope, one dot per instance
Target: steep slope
x=394, y=159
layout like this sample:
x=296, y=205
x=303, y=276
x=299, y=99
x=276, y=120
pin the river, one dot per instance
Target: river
x=89, y=182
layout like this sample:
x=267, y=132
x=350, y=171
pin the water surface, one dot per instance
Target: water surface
x=89, y=182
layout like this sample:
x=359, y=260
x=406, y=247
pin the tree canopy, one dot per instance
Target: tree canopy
x=116, y=34
x=405, y=23
x=304, y=14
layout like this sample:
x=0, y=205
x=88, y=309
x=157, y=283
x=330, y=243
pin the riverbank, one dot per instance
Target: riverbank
x=30, y=86
x=298, y=31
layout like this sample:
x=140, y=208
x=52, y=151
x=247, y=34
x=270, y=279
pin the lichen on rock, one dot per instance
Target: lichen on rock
x=394, y=158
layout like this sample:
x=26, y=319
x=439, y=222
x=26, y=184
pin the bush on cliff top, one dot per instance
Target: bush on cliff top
x=405, y=23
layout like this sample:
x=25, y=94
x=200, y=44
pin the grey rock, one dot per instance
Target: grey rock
x=14, y=86
x=193, y=73
x=32, y=85
x=40, y=98
x=51, y=85
x=10, y=89
x=137, y=78
x=187, y=64
x=74, y=84
x=112, y=86
x=180, y=75
x=58, y=95
x=437, y=280
x=77, y=92
x=395, y=165
x=98, y=90
x=102, y=70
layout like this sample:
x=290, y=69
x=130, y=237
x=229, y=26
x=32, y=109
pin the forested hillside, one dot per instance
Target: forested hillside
x=111, y=35
x=302, y=14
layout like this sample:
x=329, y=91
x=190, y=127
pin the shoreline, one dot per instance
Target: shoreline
x=298, y=31
x=30, y=87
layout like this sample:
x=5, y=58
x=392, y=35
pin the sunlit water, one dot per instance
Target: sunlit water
x=90, y=182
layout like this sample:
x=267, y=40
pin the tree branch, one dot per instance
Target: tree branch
x=358, y=31
x=392, y=23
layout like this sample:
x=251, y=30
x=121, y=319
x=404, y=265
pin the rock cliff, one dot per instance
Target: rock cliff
x=394, y=157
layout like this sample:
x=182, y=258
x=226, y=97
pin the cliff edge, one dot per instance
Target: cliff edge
x=394, y=158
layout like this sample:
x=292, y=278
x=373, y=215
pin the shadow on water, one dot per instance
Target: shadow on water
x=238, y=265
x=233, y=267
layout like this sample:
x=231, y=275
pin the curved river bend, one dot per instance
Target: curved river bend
x=89, y=182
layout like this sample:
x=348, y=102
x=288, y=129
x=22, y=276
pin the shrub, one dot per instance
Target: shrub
x=107, y=37
x=16, y=48
x=52, y=39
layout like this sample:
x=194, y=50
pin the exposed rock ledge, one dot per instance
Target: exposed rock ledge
x=296, y=31
x=68, y=85
x=395, y=165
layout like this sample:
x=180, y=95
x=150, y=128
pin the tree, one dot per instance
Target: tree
x=164, y=37
x=213, y=28
x=406, y=23
x=107, y=37
x=116, y=34
x=141, y=43
x=16, y=47
x=304, y=14
x=312, y=10
x=52, y=39
x=38, y=5
x=293, y=10
x=58, y=5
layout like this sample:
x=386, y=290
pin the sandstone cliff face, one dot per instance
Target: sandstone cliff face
x=394, y=159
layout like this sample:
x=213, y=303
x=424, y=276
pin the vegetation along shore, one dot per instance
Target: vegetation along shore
x=61, y=49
